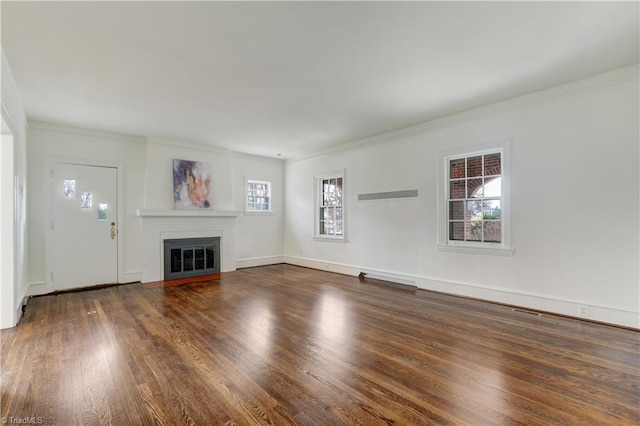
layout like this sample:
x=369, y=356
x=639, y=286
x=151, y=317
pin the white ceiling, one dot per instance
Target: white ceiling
x=293, y=77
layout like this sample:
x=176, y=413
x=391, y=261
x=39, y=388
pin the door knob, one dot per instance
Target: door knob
x=113, y=230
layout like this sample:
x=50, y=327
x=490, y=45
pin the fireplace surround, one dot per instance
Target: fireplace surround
x=160, y=225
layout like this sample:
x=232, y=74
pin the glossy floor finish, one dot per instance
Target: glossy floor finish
x=287, y=345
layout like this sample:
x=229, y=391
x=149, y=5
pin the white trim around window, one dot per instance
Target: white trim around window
x=329, y=207
x=458, y=195
x=258, y=198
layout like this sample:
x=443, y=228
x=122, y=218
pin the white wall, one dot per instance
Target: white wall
x=259, y=238
x=159, y=173
x=13, y=285
x=147, y=165
x=260, y=235
x=49, y=143
x=574, y=202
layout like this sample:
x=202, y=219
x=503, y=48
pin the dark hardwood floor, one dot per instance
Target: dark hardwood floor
x=287, y=345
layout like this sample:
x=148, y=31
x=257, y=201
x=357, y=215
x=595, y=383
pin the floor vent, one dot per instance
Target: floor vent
x=522, y=311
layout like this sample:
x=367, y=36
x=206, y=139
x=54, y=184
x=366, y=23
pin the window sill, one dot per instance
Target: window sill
x=330, y=239
x=258, y=213
x=494, y=251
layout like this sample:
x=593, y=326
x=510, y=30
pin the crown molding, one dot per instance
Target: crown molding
x=118, y=137
x=187, y=145
x=6, y=120
x=7, y=76
x=80, y=131
x=577, y=87
x=611, y=78
x=209, y=148
x=245, y=156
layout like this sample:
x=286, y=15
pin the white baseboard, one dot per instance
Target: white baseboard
x=38, y=288
x=540, y=302
x=129, y=277
x=258, y=261
x=324, y=266
x=23, y=301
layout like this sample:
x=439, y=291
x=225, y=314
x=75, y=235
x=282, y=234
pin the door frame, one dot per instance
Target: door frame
x=8, y=194
x=50, y=164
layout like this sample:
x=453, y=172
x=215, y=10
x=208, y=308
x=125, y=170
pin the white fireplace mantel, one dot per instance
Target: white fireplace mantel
x=186, y=213
x=158, y=225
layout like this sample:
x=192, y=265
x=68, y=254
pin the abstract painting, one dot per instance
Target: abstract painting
x=191, y=184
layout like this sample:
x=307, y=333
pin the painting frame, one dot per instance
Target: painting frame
x=192, y=185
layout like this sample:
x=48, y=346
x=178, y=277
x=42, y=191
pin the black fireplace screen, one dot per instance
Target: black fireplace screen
x=187, y=257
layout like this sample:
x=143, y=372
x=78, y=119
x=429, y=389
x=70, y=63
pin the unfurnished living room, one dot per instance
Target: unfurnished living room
x=320, y=213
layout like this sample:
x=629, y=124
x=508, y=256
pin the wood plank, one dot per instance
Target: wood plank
x=287, y=345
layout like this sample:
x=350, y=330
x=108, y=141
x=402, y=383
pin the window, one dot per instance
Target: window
x=86, y=200
x=69, y=188
x=330, y=206
x=474, y=201
x=258, y=196
x=103, y=211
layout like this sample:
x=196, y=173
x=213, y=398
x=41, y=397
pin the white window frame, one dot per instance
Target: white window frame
x=318, y=203
x=503, y=248
x=246, y=197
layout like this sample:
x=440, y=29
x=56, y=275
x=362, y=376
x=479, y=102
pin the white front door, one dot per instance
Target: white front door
x=84, y=225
